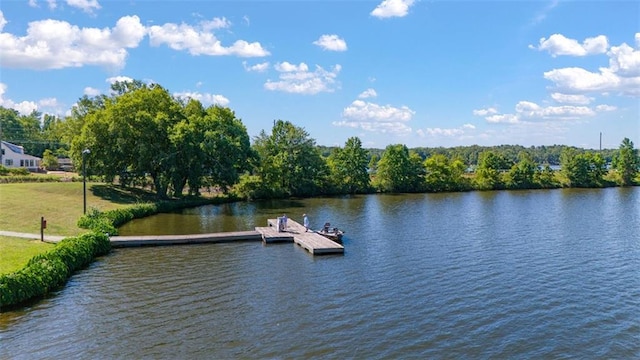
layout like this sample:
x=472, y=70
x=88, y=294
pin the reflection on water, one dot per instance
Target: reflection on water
x=530, y=274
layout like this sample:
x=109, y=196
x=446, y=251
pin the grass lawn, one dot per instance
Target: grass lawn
x=15, y=252
x=61, y=203
x=22, y=205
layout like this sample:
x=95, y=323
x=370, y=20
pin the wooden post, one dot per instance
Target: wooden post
x=42, y=226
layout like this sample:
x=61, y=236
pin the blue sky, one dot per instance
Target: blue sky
x=419, y=73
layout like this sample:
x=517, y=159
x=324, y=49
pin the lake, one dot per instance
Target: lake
x=506, y=274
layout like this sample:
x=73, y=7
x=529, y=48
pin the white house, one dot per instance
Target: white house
x=13, y=156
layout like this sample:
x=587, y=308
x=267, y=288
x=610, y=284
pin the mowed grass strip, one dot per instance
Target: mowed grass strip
x=61, y=204
x=15, y=253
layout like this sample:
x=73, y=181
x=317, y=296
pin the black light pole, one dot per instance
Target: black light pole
x=84, y=177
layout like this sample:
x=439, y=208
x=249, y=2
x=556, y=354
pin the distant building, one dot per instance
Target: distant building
x=13, y=156
x=65, y=164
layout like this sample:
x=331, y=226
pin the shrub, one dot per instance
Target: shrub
x=48, y=271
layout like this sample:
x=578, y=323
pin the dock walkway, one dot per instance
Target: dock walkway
x=314, y=243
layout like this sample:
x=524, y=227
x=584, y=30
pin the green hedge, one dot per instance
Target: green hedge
x=47, y=271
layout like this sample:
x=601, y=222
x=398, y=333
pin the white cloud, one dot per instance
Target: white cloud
x=558, y=44
x=205, y=99
x=530, y=110
x=376, y=118
x=502, y=118
x=262, y=67
x=485, y=112
x=571, y=99
x=52, y=4
x=527, y=111
x=397, y=128
x=114, y=79
x=362, y=110
x=53, y=44
x=441, y=132
x=369, y=93
x=198, y=40
x=215, y=23
x=622, y=76
x=331, y=42
x=288, y=67
x=603, y=108
x=89, y=91
x=579, y=79
x=624, y=60
x=23, y=107
x=3, y=21
x=392, y=8
x=459, y=132
x=298, y=79
x=87, y=6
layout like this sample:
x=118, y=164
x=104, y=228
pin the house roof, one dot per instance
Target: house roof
x=14, y=148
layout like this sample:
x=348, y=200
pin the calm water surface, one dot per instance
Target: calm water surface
x=518, y=275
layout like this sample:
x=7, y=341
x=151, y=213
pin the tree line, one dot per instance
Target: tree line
x=141, y=135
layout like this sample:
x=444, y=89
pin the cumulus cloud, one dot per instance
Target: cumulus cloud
x=485, y=112
x=115, y=79
x=392, y=8
x=527, y=111
x=571, y=98
x=199, y=40
x=621, y=76
x=89, y=91
x=54, y=44
x=27, y=107
x=369, y=93
x=300, y=80
x=215, y=23
x=377, y=118
x=459, y=132
x=87, y=6
x=262, y=67
x=558, y=44
x=331, y=42
x=205, y=99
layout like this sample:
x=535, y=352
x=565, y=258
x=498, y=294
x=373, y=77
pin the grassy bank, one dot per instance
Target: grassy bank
x=61, y=203
x=15, y=253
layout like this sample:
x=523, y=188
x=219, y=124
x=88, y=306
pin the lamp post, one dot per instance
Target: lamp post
x=84, y=177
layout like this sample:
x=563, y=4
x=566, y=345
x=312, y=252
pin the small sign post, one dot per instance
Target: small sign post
x=43, y=225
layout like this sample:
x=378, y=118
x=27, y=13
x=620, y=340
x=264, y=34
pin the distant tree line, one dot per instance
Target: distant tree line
x=141, y=135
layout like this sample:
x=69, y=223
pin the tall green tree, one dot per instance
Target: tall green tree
x=582, y=169
x=349, y=167
x=289, y=162
x=443, y=174
x=521, y=175
x=490, y=169
x=129, y=137
x=399, y=170
x=626, y=162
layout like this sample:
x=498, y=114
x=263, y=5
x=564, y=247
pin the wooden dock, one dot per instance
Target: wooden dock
x=314, y=243
x=161, y=240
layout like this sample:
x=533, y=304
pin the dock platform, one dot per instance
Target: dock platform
x=160, y=240
x=312, y=242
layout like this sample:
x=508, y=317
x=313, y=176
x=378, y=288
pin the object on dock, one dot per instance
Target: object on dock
x=331, y=233
x=311, y=241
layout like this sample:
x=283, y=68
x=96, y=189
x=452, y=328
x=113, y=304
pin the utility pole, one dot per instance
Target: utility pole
x=601, y=141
